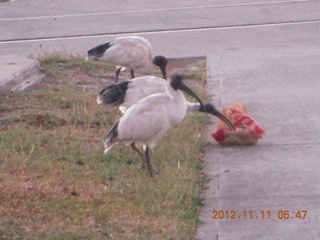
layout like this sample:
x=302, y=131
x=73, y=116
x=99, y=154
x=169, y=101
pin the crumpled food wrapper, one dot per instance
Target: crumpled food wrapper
x=247, y=132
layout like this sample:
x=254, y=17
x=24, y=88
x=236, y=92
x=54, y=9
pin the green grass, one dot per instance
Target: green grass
x=56, y=183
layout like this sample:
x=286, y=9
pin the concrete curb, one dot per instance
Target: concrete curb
x=18, y=73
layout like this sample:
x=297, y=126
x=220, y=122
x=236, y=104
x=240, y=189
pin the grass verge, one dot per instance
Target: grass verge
x=55, y=182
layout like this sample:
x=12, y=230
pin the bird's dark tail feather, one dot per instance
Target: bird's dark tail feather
x=113, y=95
x=111, y=137
x=99, y=50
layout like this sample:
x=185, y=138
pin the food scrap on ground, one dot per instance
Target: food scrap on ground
x=247, y=132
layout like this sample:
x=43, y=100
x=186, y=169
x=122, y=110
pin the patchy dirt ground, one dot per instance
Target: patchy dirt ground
x=96, y=75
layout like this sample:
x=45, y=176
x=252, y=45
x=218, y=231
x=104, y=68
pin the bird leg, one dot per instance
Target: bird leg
x=117, y=73
x=147, y=160
x=140, y=153
x=132, y=73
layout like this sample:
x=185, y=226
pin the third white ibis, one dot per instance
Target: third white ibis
x=130, y=52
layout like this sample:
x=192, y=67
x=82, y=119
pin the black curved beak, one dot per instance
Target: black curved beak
x=176, y=83
x=210, y=108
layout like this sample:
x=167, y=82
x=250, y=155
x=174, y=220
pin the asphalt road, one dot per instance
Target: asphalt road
x=264, y=54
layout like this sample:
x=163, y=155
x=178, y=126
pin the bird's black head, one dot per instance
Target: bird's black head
x=176, y=81
x=98, y=51
x=161, y=62
x=177, y=84
x=210, y=108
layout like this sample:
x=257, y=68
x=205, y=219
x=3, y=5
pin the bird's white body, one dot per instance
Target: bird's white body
x=141, y=88
x=149, y=119
x=130, y=52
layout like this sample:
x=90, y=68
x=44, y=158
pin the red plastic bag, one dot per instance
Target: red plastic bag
x=247, y=132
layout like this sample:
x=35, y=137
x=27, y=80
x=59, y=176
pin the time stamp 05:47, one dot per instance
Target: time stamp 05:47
x=281, y=214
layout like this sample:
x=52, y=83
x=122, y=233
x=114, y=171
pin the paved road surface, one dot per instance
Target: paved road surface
x=264, y=54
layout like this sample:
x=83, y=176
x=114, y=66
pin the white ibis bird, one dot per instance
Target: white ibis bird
x=127, y=93
x=149, y=119
x=130, y=52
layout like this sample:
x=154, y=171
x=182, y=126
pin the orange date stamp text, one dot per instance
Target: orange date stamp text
x=280, y=214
